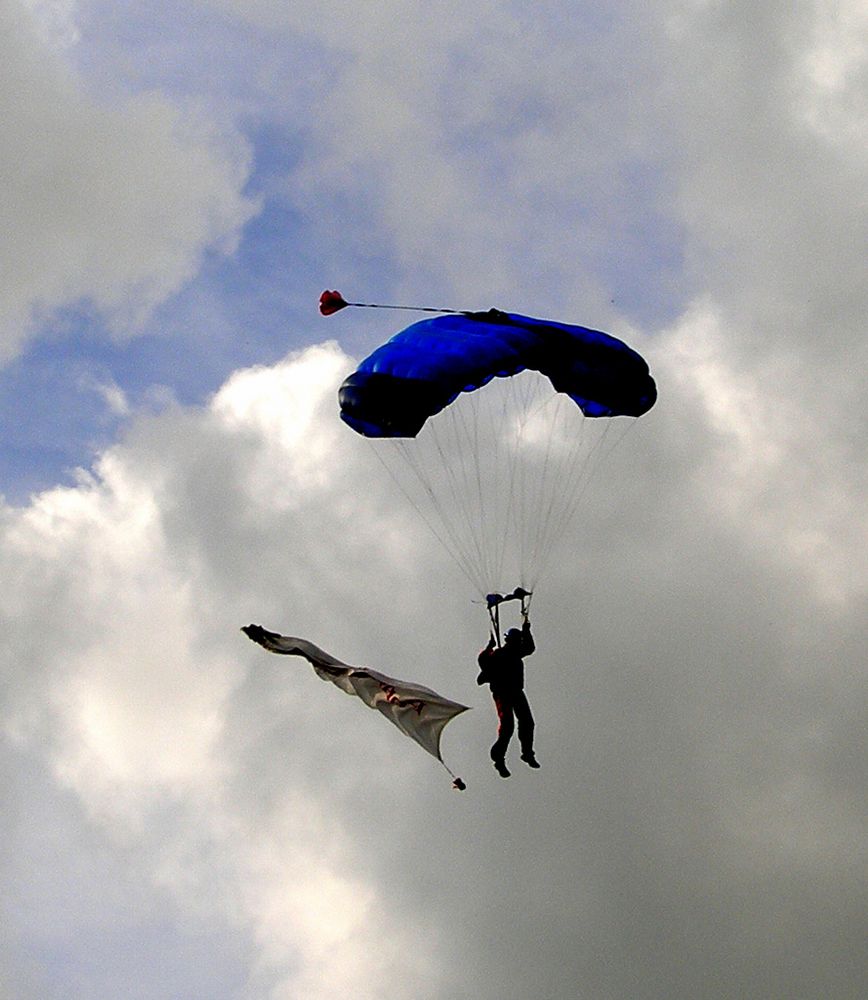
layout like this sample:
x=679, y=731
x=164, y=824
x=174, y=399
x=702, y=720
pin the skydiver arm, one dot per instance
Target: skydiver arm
x=527, y=643
x=484, y=659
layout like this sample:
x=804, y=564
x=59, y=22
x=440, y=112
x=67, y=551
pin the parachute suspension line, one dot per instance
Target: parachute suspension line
x=487, y=497
x=520, y=388
x=461, y=454
x=476, y=457
x=559, y=495
x=450, y=437
x=453, y=485
x=580, y=476
x=513, y=419
x=448, y=541
x=451, y=506
x=481, y=459
x=472, y=479
x=497, y=519
x=535, y=488
x=526, y=488
x=508, y=434
x=517, y=495
x=545, y=493
x=477, y=509
x=502, y=475
x=576, y=475
x=474, y=462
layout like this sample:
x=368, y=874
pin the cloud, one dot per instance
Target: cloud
x=128, y=665
x=697, y=808
x=499, y=157
x=697, y=825
x=108, y=205
x=772, y=201
x=773, y=467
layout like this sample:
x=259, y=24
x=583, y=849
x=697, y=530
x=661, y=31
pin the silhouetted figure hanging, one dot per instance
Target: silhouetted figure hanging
x=502, y=668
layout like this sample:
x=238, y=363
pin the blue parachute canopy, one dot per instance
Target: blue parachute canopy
x=423, y=369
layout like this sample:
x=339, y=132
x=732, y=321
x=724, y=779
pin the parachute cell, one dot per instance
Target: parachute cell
x=423, y=369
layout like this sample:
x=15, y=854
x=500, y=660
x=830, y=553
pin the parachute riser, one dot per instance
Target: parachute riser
x=494, y=615
x=493, y=601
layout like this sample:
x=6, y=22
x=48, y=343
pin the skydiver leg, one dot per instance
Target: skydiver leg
x=505, y=729
x=525, y=728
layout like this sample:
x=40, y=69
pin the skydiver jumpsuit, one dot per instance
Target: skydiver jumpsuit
x=503, y=670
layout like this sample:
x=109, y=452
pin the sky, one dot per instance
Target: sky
x=187, y=816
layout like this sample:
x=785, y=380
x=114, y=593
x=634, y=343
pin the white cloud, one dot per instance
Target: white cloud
x=55, y=20
x=772, y=467
x=475, y=146
x=773, y=210
x=833, y=96
x=128, y=658
x=286, y=408
x=112, y=206
x=110, y=392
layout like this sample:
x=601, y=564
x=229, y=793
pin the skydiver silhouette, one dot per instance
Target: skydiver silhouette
x=502, y=668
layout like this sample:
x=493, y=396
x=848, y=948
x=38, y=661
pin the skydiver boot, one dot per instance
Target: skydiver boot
x=500, y=767
x=529, y=759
